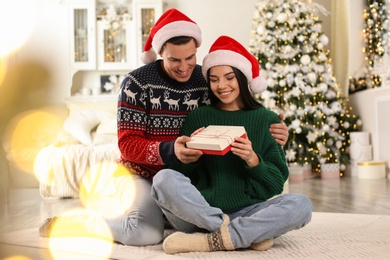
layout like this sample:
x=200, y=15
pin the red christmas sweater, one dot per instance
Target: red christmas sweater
x=151, y=111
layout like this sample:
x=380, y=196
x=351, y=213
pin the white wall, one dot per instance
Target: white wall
x=364, y=104
x=217, y=17
x=48, y=46
x=326, y=19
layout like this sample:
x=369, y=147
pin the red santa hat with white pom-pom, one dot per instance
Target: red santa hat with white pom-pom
x=171, y=24
x=227, y=51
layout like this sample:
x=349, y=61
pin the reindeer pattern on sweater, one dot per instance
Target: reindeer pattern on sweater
x=151, y=110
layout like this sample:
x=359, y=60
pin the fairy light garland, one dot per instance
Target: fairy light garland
x=376, y=36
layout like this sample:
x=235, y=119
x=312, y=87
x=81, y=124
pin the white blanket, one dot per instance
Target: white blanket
x=61, y=169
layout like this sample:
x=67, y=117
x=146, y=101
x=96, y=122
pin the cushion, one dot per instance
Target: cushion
x=80, y=124
x=108, y=125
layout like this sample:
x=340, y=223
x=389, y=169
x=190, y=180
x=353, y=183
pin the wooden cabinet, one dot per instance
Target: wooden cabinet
x=146, y=13
x=115, y=48
x=106, y=40
x=82, y=35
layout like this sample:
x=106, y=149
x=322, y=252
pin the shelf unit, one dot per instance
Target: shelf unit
x=106, y=39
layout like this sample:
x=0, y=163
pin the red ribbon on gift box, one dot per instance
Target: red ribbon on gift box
x=217, y=135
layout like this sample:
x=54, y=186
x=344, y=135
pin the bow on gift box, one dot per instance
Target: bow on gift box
x=217, y=135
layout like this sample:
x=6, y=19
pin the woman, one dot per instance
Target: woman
x=226, y=202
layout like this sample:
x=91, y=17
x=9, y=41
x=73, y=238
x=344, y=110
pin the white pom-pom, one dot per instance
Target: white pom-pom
x=258, y=85
x=148, y=56
x=324, y=39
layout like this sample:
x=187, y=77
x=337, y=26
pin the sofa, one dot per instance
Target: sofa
x=52, y=148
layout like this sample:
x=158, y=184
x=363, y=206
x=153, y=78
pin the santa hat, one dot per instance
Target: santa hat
x=227, y=51
x=171, y=24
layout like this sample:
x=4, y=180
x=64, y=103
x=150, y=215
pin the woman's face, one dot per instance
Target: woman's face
x=179, y=61
x=224, y=85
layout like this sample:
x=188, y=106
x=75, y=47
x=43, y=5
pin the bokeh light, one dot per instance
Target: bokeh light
x=17, y=20
x=17, y=257
x=108, y=188
x=3, y=70
x=93, y=238
x=27, y=134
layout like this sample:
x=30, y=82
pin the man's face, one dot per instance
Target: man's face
x=179, y=60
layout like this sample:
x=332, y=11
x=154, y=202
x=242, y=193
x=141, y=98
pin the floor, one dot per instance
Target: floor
x=26, y=209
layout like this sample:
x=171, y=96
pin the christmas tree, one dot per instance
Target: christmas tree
x=288, y=41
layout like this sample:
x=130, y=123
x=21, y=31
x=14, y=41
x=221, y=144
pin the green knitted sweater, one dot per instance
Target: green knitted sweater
x=226, y=181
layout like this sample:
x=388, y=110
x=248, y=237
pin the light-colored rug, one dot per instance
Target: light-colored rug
x=327, y=236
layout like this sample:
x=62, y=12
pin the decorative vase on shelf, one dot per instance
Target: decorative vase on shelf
x=296, y=172
x=330, y=171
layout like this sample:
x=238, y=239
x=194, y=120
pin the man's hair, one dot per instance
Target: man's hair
x=249, y=101
x=179, y=40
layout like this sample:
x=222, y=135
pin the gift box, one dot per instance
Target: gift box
x=371, y=170
x=362, y=138
x=216, y=139
x=359, y=152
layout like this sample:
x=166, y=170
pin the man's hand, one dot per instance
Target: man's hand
x=280, y=131
x=184, y=154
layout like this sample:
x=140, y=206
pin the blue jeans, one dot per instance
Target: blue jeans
x=143, y=223
x=188, y=211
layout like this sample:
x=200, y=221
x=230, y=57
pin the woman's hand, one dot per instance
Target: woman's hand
x=280, y=131
x=242, y=147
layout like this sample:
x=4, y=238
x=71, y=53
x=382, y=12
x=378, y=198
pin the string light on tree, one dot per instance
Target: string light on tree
x=288, y=41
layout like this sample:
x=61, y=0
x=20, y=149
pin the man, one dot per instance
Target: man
x=154, y=101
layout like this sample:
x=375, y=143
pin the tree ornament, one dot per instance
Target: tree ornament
x=305, y=59
x=324, y=39
x=260, y=29
x=282, y=18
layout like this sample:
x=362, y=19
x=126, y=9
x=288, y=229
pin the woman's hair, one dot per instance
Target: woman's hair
x=249, y=101
x=179, y=40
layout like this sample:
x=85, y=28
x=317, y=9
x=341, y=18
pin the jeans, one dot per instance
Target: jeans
x=143, y=223
x=188, y=211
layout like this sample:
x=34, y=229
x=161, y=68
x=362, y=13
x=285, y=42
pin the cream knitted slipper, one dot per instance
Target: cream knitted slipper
x=180, y=242
x=263, y=245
